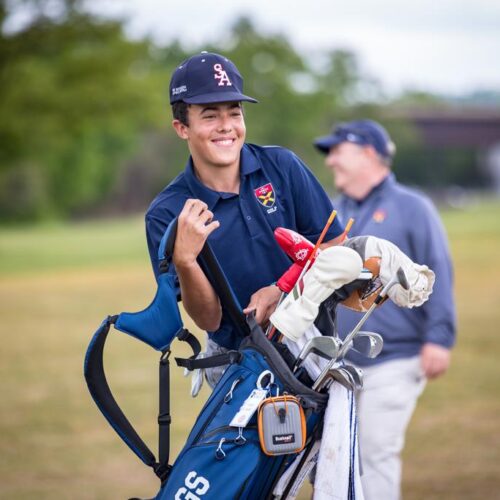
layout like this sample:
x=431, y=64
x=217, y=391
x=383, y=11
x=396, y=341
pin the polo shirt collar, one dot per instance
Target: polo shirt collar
x=385, y=183
x=249, y=163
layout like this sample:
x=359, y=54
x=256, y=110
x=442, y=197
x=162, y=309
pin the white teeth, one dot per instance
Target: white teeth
x=225, y=142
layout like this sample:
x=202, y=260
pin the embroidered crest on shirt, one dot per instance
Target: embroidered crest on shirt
x=266, y=197
x=379, y=216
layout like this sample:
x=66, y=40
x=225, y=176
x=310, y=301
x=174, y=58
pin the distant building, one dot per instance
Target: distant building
x=477, y=128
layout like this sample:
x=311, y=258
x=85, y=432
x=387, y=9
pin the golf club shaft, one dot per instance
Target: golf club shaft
x=397, y=279
x=345, y=345
x=356, y=329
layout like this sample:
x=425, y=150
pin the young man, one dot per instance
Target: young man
x=233, y=194
x=417, y=342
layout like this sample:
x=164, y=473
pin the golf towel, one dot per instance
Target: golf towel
x=338, y=473
x=338, y=470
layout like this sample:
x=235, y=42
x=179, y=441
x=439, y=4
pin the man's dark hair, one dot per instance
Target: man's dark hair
x=180, y=112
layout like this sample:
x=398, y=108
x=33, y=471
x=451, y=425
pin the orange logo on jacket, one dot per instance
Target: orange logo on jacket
x=379, y=216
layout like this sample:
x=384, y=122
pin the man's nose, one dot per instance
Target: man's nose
x=225, y=124
x=330, y=161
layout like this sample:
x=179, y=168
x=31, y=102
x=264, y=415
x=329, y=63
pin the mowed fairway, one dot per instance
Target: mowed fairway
x=57, y=283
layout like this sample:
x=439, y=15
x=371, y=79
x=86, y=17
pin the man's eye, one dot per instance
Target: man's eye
x=209, y=117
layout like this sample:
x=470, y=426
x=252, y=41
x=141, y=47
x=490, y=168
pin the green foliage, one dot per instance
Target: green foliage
x=75, y=96
x=85, y=117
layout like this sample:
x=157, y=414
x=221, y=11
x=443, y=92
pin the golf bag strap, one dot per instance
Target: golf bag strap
x=212, y=269
x=214, y=273
x=162, y=467
x=186, y=336
x=101, y=393
x=227, y=358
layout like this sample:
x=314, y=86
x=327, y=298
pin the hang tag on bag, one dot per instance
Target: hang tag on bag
x=248, y=408
x=282, y=425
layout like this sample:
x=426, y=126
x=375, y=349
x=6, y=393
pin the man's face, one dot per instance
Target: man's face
x=215, y=133
x=349, y=163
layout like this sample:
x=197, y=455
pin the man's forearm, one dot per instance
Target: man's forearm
x=198, y=297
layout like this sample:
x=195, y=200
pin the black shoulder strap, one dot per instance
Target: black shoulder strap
x=103, y=397
x=212, y=269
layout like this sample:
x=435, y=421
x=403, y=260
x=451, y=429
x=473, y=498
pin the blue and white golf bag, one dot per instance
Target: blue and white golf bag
x=218, y=461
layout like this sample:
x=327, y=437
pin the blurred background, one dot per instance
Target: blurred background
x=86, y=143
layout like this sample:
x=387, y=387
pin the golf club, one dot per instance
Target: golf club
x=339, y=375
x=398, y=278
x=368, y=344
x=326, y=347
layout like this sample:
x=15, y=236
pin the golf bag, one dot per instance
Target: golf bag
x=218, y=460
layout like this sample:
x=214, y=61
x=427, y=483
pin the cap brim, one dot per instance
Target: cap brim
x=219, y=97
x=324, y=144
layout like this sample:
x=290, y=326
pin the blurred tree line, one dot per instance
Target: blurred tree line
x=85, y=120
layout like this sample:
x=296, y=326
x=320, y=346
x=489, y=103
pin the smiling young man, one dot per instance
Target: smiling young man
x=233, y=194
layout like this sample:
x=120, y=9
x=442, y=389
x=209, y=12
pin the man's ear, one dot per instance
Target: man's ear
x=180, y=128
x=371, y=152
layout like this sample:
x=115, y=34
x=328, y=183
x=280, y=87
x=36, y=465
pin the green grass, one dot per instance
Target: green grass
x=58, y=282
x=55, y=246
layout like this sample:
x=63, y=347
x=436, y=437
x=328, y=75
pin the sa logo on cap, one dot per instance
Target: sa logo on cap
x=221, y=75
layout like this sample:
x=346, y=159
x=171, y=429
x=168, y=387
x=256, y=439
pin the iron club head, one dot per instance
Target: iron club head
x=368, y=344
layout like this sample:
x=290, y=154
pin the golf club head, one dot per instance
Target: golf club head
x=368, y=344
x=342, y=377
x=402, y=280
x=356, y=375
x=326, y=347
x=304, y=352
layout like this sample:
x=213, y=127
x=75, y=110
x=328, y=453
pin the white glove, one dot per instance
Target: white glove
x=333, y=268
x=196, y=377
x=420, y=278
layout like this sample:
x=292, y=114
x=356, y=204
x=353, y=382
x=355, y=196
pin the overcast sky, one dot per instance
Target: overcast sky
x=448, y=46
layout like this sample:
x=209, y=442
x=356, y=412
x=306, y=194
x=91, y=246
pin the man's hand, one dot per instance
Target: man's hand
x=193, y=228
x=263, y=302
x=435, y=360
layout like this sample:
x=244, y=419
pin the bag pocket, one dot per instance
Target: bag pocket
x=219, y=466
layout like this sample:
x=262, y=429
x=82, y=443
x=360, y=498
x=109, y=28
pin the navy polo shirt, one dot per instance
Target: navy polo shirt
x=276, y=190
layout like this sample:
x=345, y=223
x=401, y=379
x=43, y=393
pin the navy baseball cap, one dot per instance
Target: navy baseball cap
x=206, y=78
x=362, y=132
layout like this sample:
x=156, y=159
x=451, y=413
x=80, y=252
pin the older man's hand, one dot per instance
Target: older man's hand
x=435, y=360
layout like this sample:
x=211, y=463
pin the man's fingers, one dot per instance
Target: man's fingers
x=196, y=206
x=433, y=367
x=210, y=228
x=205, y=216
x=435, y=360
x=193, y=207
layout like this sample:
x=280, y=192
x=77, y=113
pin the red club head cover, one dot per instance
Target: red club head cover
x=295, y=246
x=289, y=278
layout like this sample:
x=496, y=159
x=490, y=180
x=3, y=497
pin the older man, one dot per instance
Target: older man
x=417, y=342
